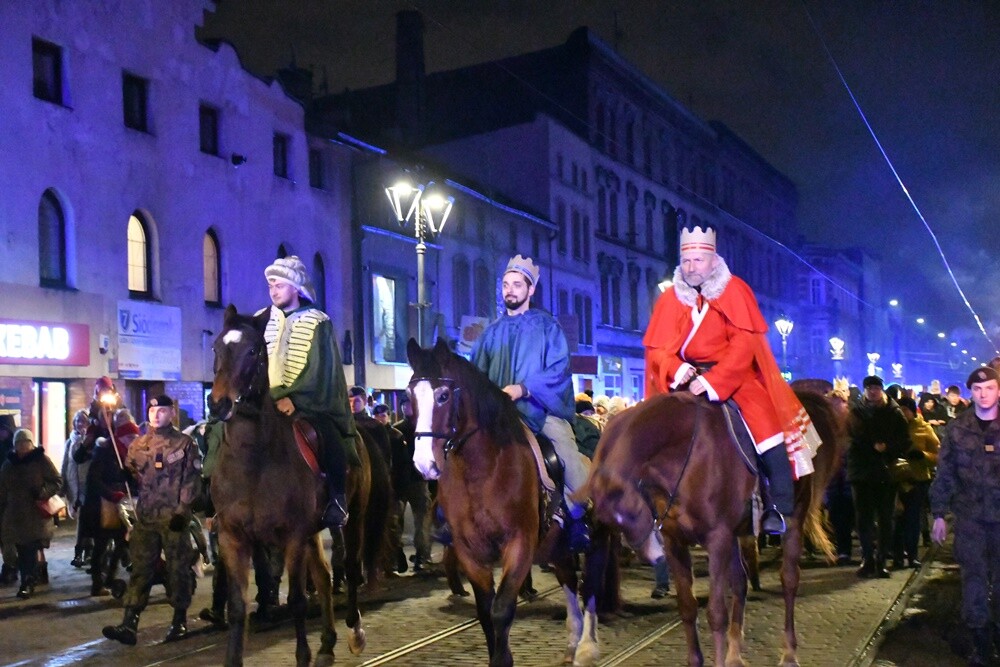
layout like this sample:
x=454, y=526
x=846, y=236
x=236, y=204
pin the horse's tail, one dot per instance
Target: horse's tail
x=831, y=430
x=380, y=502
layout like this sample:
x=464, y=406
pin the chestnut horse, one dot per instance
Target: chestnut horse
x=676, y=451
x=266, y=494
x=470, y=437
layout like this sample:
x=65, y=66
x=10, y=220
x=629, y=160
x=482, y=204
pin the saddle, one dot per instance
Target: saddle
x=307, y=440
x=550, y=501
x=740, y=435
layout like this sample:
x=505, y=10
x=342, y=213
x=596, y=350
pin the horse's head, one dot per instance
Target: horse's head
x=435, y=400
x=240, y=363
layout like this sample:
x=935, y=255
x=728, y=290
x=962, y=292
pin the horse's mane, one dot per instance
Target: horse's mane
x=493, y=408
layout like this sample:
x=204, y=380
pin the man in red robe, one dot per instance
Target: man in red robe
x=707, y=334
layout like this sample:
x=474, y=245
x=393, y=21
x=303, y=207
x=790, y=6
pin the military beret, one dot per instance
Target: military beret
x=984, y=374
x=161, y=401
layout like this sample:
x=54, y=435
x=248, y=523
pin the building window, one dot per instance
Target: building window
x=630, y=142
x=536, y=244
x=208, y=129
x=586, y=238
x=135, y=97
x=602, y=209
x=577, y=235
x=649, y=228
x=576, y=175
x=138, y=257
x=280, y=151
x=210, y=265
x=317, y=171
x=605, y=298
x=583, y=309
x=561, y=226
x=319, y=282
x=583, y=180
x=816, y=291
x=613, y=212
x=616, y=300
x=486, y=291
x=461, y=283
x=513, y=238
x=47, y=71
x=559, y=166
x=562, y=297
x=602, y=127
x=51, y=242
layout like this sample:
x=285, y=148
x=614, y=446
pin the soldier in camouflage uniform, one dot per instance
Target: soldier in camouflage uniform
x=166, y=465
x=968, y=485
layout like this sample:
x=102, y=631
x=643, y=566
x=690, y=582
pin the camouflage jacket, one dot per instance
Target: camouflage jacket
x=166, y=465
x=968, y=474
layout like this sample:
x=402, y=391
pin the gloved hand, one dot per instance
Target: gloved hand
x=117, y=496
x=178, y=522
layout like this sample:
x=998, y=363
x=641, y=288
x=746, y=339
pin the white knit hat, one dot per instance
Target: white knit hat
x=291, y=271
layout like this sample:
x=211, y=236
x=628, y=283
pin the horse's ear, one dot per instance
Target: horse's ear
x=412, y=350
x=441, y=350
x=260, y=320
x=229, y=317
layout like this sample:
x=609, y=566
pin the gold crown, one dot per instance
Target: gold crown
x=525, y=266
x=698, y=239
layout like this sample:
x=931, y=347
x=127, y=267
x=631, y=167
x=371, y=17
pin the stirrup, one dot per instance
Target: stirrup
x=772, y=522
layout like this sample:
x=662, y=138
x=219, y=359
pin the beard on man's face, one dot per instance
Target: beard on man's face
x=511, y=302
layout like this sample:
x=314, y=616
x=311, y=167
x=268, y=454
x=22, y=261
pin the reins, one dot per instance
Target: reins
x=453, y=440
x=671, y=495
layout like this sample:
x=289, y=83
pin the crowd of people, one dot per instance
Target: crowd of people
x=133, y=493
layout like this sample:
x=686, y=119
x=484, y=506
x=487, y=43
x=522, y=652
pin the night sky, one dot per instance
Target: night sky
x=925, y=73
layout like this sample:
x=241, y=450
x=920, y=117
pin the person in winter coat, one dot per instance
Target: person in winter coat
x=8, y=575
x=106, y=482
x=75, y=486
x=26, y=478
x=922, y=457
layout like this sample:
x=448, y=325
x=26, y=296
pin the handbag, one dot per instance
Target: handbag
x=900, y=471
x=50, y=507
x=111, y=518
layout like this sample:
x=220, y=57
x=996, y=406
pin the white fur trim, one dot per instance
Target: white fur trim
x=712, y=288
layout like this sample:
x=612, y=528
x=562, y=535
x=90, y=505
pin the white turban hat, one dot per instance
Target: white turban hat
x=291, y=271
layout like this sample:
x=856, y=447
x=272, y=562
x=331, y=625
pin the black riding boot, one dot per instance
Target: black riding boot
x=127, y=631
x=178, y=626
x=335, y=466
x=780, y=489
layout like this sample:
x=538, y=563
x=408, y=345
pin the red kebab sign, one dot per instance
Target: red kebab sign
x=44, y=343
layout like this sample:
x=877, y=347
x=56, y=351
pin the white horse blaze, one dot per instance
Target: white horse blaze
x=232, y=336
x=423, y=452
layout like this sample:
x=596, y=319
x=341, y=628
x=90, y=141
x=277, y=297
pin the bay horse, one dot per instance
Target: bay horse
x=266, y=494
x=470, y=438
x=675, y=451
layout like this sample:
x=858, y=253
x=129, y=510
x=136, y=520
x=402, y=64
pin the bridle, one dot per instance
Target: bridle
x=249, y=397
x=643, y=488
x=453, y=440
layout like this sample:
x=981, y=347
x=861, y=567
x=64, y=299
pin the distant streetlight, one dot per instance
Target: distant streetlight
x=837, y=354
x=941, y=334
x=897, y=371
x=893, y=302
x=429, y=211
x=921, y=320
x=784, y=327
x=873, y=358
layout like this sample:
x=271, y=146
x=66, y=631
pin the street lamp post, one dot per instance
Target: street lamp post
x=837, y=354
x=429, y=211
x=873, y=358
x=784, y=327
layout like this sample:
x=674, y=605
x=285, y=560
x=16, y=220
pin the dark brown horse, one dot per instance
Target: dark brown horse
x=469, y=437
x=675, y=451
x=266, y=494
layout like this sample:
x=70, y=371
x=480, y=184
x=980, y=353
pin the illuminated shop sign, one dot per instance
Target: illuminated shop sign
x=44, y=343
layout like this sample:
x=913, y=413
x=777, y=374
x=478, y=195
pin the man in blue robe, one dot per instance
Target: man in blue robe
x=526, y=354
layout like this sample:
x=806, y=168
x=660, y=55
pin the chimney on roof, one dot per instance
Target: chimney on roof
x=410, y=92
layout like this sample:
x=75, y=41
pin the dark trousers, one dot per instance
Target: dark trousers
x=27, y=560
x=100, y=575
x=873, y=506
x=977, y=551
x=840, y=506
x=908, y=528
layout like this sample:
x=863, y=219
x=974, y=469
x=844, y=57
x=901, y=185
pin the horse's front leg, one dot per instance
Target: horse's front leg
x=721, y=544
x=294, y=555
x=517, y=557
x=354, y=540
x=738, y=585
x=565, y=571
x=481, y=579
x=791, y=551
x=588, y=651
x=679, y=558
x=319, y=570
x=236, y=555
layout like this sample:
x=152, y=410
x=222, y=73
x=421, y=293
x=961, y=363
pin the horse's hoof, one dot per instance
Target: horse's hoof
x=356, y=641
x=587, y=654
x=324, y=660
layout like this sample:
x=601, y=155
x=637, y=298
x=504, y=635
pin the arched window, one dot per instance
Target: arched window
x=319, y=281
x=51, y=242
x=139, y=274
x=486, y=291
x=211, y=267
x=461, y=282
x=282, y=251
